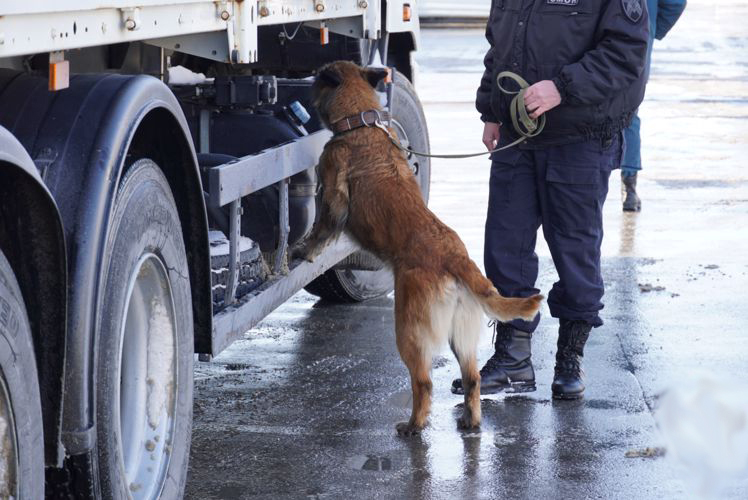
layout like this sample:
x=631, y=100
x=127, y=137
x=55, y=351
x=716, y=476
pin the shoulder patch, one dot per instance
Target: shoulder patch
x=633, y=9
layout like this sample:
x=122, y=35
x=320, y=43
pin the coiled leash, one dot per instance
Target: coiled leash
x=525, y=126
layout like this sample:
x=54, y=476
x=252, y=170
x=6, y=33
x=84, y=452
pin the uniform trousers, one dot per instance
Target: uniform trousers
x=563, y=189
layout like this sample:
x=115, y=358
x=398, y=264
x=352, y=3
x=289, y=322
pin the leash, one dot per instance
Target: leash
x=523, y=124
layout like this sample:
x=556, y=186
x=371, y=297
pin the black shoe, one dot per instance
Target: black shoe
x=510, y=367
x=632, y=202
x=568, y=374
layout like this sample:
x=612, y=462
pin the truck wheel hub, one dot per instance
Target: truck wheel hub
x=148, y=378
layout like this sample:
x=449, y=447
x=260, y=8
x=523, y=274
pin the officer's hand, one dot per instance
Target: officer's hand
x=541, y=97
x=491, y=135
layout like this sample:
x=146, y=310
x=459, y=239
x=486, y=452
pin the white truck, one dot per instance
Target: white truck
x=433, y=10
x=144, y=220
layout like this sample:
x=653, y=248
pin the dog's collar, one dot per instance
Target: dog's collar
x=366, y=119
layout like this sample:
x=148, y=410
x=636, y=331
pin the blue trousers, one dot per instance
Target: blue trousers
x=632, y=156
x=632, y=159
x=562, y=188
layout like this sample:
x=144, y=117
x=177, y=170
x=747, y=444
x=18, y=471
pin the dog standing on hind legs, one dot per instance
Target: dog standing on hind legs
x=369, y=192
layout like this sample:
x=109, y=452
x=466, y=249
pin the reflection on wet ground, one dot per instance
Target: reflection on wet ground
x=305, y=405
x=628, y=234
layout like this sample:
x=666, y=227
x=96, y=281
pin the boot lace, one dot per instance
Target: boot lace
x=568, y=365
x=568, y=360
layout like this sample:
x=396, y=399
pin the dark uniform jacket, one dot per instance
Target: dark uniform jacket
x=593, y=50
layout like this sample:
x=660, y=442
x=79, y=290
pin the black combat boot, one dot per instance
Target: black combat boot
x=631, y=202
x=567, y=379
x=510, y=367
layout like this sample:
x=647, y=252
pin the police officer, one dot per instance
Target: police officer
x=585, y=60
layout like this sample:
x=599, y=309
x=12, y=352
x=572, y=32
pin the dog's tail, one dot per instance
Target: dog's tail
x=494, y=304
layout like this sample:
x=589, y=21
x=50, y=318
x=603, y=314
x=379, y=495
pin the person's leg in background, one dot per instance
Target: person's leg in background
x=631, y=165
x=511, y=264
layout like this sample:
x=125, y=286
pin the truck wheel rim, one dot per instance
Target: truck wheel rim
x=412, y=159
x=8, y=445
x=148, y=378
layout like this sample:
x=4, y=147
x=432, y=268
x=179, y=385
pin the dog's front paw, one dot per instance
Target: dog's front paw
x=406, y=429
x=303, y=252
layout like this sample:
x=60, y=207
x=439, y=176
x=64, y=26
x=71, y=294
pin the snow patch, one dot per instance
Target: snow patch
x=160, y=367
x=179, y=75
x=219, y=244
x=6, y=453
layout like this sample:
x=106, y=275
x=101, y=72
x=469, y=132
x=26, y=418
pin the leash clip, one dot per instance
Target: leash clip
x=378, y=123
x=378, y=120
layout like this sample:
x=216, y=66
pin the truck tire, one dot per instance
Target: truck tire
x=21, y=429
x=144, y=344
x=409, y=121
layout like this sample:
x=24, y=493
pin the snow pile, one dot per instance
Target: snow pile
x=705, y=424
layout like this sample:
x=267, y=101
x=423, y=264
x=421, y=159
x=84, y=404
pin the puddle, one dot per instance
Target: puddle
x=697, y=183
x=228, y=491
x=648, y=287
x=600, y=404
x=235, y=367
x=402, y=399
x=649, y=452
x=371, y=463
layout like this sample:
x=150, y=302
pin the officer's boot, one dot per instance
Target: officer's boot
x=510, y=367
x=631, y=203
x=567, y=379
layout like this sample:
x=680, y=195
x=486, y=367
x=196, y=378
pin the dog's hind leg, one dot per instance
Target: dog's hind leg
x=412, y=331
x=463, y=340
x=417, y=358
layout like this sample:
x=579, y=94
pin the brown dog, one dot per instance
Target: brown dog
x=369, y=191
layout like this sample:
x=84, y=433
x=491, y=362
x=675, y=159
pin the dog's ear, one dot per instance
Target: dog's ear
x=329, y=77
x=375, y=75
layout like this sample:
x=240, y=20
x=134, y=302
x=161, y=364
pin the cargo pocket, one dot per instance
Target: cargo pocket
x=574, y=194
x=500, y=192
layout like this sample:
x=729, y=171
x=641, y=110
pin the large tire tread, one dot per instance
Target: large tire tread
x=329, y=288
x=20, y=376
x=145, y=220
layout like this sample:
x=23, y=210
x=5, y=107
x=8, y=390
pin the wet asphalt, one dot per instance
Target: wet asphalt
x=305, y=405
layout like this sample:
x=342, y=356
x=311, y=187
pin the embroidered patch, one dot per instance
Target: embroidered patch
x=633, y=9
x=570, y=3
